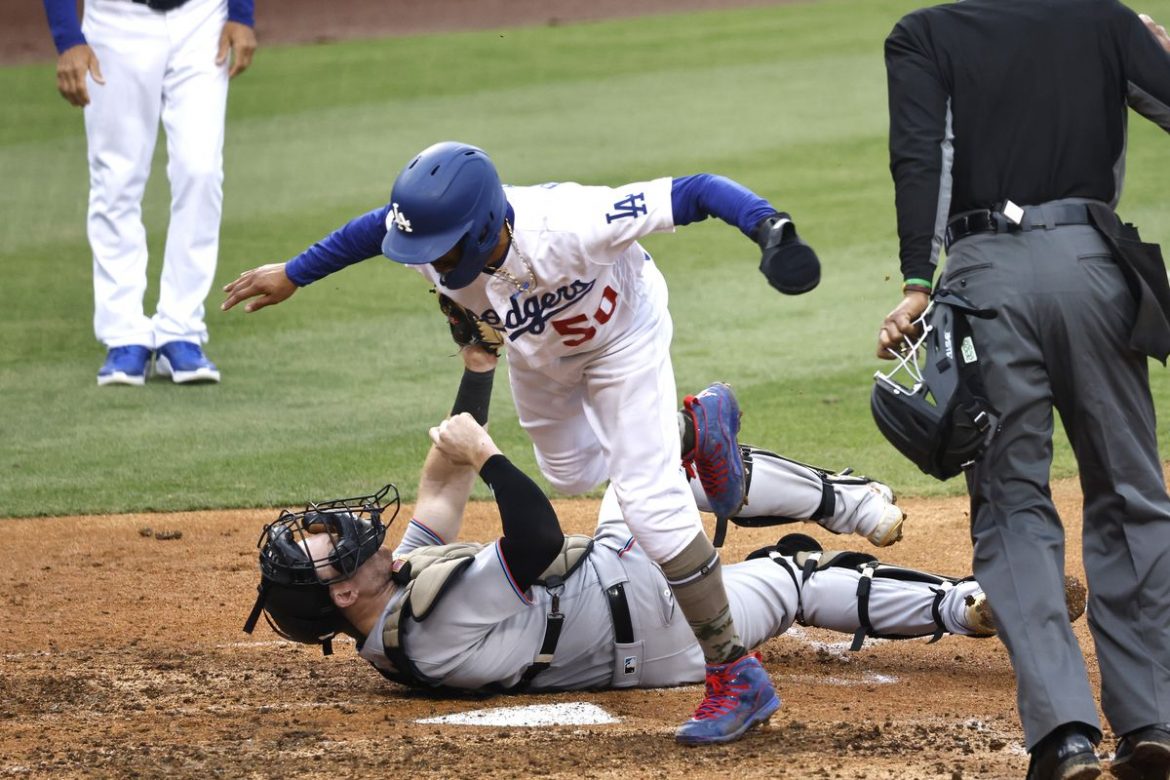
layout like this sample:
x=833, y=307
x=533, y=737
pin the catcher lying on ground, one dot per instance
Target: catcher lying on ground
x=538, y=610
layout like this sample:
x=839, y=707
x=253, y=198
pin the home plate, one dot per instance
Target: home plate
x=576, y=713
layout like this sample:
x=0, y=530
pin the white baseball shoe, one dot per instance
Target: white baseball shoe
x=889, y=527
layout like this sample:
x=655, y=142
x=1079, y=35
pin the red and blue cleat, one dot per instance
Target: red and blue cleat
x=715, y=457
x=739, y=696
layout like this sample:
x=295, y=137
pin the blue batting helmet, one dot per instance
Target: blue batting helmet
x=449, y=193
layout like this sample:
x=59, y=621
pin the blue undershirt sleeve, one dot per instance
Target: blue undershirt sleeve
x=64, y=24
x=358, y=240
x=694, y=198
x=241, y=11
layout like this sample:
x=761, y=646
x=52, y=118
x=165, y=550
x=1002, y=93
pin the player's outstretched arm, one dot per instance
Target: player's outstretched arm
x=357, y=240
x=789, y=264
x=262, y=286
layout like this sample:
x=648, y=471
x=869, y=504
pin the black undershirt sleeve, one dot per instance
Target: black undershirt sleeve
x=1147, y=69
x=918, y=114
x=532, y=534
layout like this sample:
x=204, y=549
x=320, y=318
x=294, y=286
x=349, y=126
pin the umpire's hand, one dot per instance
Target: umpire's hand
x=268, y=284
x=899, y=324
x=463, y=441
x=1157, y=30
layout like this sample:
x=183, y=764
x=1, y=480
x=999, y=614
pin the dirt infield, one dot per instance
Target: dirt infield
x=123, y=656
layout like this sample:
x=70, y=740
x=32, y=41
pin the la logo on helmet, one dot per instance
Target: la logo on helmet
x=398, y=219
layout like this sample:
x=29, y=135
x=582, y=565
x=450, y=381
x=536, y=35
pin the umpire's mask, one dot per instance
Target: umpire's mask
x=942, y=420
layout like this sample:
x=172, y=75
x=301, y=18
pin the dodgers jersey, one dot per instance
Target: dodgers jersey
x=581, y=243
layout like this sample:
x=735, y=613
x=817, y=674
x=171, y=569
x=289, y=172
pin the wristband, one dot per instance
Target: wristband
x=917, y=285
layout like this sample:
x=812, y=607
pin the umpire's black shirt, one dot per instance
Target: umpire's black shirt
x=1021, y=100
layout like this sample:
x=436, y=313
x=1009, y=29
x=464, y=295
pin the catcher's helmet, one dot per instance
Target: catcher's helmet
x=943, y=421
x=293, y=591
x=449, y=193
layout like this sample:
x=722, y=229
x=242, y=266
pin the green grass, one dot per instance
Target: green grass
x=331, y=393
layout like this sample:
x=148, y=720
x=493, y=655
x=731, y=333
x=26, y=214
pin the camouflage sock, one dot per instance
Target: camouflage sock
x=696, y=577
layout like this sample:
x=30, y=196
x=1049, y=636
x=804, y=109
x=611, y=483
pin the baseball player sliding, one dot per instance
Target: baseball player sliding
x=540, y=611
x=558, y=272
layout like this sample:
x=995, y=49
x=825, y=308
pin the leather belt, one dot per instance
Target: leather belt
x=161, y=5
x=619, y=609
x=1045, y=216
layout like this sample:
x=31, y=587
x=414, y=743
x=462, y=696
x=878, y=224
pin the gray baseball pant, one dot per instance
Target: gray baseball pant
x=1060, y=340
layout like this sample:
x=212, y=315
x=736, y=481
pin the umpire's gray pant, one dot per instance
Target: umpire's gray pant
x=1061, y=340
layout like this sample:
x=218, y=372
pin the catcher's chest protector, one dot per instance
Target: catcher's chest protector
x=426, y=574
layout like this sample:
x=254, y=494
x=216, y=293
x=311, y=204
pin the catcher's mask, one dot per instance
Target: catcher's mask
x=294, y=582
x=941, y=420
x=448, y=195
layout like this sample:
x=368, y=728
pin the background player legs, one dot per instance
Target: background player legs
x=195, y=91
x=121, y=124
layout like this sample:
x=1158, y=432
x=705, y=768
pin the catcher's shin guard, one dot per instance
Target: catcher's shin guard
x=928, y=608
x=781, y=490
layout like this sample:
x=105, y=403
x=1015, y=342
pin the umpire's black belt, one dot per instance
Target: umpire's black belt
x=1049, y=215
x=619, y=608
x=161, y=5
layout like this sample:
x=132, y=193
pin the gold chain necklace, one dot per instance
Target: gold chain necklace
x=520, y=286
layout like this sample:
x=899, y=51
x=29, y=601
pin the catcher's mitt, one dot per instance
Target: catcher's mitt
x=467, y=329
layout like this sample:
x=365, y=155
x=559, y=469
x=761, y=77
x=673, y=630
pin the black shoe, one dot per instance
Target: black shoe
x=1144, y=754
x=1068, y=753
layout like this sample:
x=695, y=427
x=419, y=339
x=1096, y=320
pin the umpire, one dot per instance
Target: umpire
x=1007, y=148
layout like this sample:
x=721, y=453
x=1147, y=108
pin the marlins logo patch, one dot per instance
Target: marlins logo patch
x=395, y=218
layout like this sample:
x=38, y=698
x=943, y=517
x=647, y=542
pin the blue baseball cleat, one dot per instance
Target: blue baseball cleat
x=739, y=696
x=124, y=366
x=716, y=458
x=184, y=362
